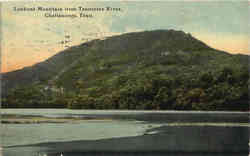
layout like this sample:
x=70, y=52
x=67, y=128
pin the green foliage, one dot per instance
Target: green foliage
x=150, y=91
x=160, y=70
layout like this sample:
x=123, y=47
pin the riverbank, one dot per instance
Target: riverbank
x=147, y=116
x=33, y=119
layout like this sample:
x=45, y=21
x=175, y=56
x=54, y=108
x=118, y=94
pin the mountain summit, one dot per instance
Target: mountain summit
x=159, y=42
x=111, y=66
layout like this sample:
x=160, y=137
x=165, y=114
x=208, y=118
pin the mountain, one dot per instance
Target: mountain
x=153, y=65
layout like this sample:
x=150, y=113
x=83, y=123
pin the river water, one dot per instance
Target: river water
x=109, y=132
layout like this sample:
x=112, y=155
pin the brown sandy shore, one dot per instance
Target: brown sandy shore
x=33, y=119
x=159, y=117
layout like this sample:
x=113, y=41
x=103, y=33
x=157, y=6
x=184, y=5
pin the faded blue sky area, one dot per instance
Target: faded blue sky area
x=29, y=37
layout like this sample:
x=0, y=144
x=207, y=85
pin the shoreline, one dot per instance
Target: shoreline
x=65, y=116
x=135, y=110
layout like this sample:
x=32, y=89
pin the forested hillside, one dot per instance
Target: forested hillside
x=152, y=70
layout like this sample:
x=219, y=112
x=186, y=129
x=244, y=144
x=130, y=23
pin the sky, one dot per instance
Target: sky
x=28, y=37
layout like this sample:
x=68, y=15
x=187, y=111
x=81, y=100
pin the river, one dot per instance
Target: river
x=52, y=132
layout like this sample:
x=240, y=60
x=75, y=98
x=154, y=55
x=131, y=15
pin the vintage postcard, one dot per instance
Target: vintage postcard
x=124, y=78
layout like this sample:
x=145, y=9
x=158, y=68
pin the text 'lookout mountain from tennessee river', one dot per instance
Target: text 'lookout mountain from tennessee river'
x=57, y=9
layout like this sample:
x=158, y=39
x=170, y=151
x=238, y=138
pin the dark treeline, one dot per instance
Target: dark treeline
x=226, y=89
